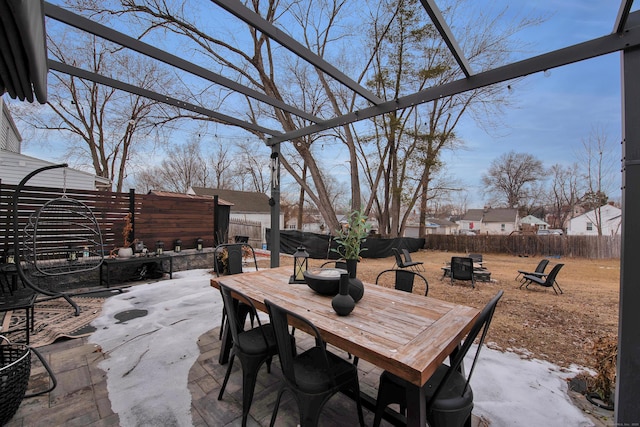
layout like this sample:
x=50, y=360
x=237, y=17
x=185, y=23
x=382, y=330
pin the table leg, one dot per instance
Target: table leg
x=416, y=406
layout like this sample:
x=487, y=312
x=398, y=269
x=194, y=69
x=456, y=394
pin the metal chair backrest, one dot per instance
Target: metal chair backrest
x=407, y=255
x=232, y=313
x=551, y=277
x=481, y=325
x=542, y=265
x=405, y=279
x=235, y=257
x=461, y=268
x=399, y=260
x=279, y=318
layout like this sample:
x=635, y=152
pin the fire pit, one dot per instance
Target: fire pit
x=325, y=281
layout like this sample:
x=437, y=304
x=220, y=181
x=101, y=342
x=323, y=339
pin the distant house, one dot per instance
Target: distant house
x=489, y=221
x=586, y=224
x=14, y=166
x=247, y=205
x=532, y=224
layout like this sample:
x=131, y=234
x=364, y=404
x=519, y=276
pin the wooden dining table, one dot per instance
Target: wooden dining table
x=409, y=335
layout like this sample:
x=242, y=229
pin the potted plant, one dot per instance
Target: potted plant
x=349, y=239
x=126, y=251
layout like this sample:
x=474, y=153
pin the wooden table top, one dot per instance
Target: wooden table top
x=407, y=334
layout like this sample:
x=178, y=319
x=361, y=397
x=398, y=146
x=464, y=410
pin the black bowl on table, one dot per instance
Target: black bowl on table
x=325, y=281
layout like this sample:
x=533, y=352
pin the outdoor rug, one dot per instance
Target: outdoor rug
x=55, y=320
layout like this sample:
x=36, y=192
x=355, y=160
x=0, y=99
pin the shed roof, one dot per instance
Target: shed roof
x=242, y=201
x=491, y=215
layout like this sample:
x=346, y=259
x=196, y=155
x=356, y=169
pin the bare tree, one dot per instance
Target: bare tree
x=183, y=169
x=410, y=56
x=565, y=192
x=598, y=163
x=250, y=57
x=221, y=162
x=512, y=177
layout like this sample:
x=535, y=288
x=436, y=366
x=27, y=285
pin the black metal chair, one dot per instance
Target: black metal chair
x=419, y=265
x=401, y=263
x=549, y=281
x=229, y=259
x=449, y=398
x=253, y=347
x=462, y=269
x=312, y=376
x=405, y=280
x=539, y=271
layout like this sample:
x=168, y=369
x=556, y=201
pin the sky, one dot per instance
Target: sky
x=508, y=390
x=552, y=114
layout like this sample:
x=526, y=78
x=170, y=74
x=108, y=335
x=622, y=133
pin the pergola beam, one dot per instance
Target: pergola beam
x=243, y=13
x=590, y=49
x=446, y=34
x=91, y=27
x=117, y=84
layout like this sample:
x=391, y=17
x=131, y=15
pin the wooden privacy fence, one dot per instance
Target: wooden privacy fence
x=592, y=247
x=250, y=229
x=155, y=217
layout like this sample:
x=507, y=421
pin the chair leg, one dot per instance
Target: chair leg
x=227, y=375
x=224, y=318
x=276, y=406
x=388, y=393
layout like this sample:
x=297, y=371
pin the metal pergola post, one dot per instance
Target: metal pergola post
x=274, y=202
x=627, y=410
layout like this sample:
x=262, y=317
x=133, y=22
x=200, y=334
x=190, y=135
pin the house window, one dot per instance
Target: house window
x=589, y=226
x=503, y=227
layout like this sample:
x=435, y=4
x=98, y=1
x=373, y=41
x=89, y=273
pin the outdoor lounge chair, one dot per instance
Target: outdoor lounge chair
x=407, y=259
x=449, y=398
x=548, y=282
x=539, y=271
x=313, y=376
x=403, y=263
x=462, y=269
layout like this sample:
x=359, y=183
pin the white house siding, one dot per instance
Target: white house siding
x=611, y=220
x=14, y=167
x=496, y=228
x=9, y=136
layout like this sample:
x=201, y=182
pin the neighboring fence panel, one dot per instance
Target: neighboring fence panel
x=565, y=246
x=250, y=229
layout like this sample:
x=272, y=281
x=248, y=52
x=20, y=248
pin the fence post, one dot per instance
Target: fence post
x=132, y=211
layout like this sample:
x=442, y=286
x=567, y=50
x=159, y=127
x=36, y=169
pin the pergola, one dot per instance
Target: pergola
x=23, y=74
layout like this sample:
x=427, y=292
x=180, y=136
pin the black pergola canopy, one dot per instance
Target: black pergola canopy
x=24, y=66
x=28, y=14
